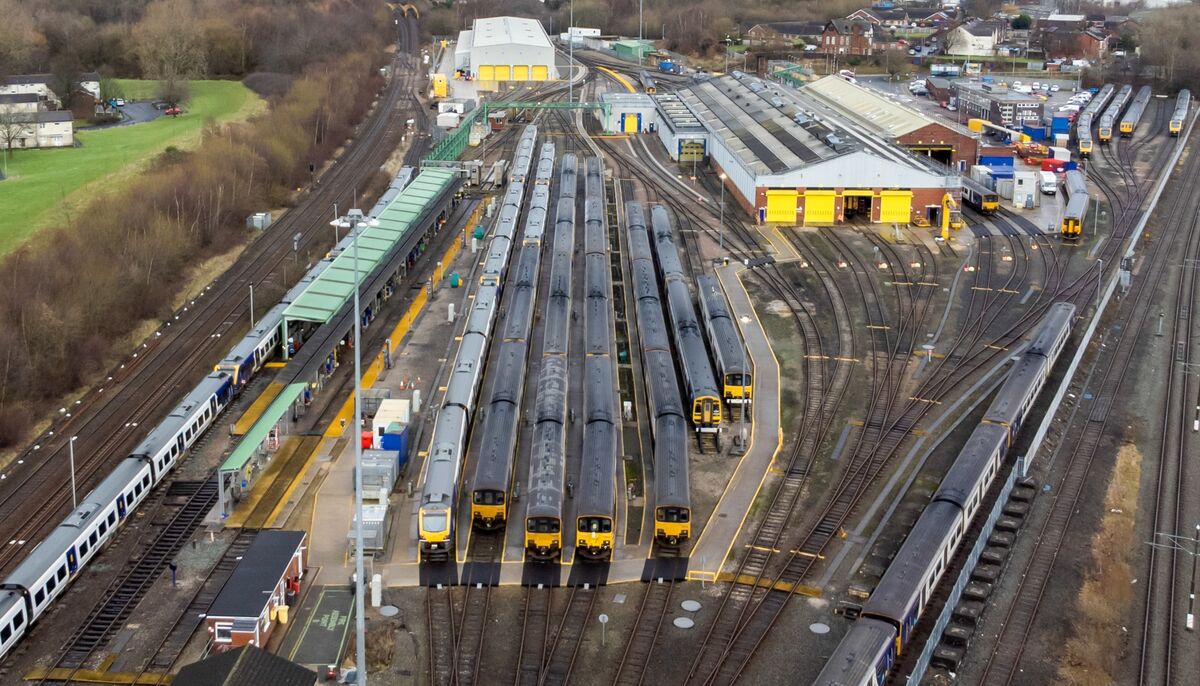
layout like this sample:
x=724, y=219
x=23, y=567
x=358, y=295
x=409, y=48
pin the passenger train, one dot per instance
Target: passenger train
x=1136, y=109
x=733, y=367
x=49, y=568
x=1078, y=200
x=548, y=458
x=978, y=196
x=436, y=516
x=672, y=499
x=595, y=512
x=647, y=82
x=492, y=483
x=1182, y=102
x=885, y=628
x=1108, y=120
x=703, y=397
x=1083, y=125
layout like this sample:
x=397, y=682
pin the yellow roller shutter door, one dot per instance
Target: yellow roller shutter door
x=630, y=123
x=520, y=72
x=487, y=72
x=781, y=206
x=503, y=73
x=541, y=72
x=818, y=207
x=895, y=207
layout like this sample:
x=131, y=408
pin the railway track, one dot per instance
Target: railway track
x=535, y=636
x=140, y=391
x=635, y=659
x=1002, y=663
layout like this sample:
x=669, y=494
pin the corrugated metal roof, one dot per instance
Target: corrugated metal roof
x=491, y=31
x=241, y=455
x=871, y=108
x=330, y=291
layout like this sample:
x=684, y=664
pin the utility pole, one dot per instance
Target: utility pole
x=71, y=453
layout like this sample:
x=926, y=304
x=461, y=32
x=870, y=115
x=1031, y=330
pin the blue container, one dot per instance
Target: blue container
x=395, y=437
x=454, y=280
x=666, y=66
x=1002, y=172
x=993, y=162
x=1037, y=133
x=1060, y=125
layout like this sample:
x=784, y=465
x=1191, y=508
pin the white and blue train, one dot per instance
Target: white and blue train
x=868, y=652
x=47, y=570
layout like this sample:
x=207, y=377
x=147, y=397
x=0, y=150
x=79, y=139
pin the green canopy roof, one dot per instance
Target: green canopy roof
x=258, y=433
x=334, y=286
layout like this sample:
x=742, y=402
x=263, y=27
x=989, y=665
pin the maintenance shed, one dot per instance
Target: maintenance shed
x=680, y=131
x=944, y=141
x=791, y=159
x=627, y=112
x=499, y=49
x=258, y=593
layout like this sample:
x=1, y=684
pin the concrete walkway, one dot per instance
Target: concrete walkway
x=766, y=438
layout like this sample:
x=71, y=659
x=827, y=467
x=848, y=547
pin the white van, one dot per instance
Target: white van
x=1049, y=183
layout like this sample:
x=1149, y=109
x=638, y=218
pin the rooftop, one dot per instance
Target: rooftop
x=872, y=108
x=796, y=28
x=264, y=563
x=14, y=98
x=245, y=665
x=679, y=117
x=627, y=99
x=1066, y=17
x=493, y=31
x=997, y=94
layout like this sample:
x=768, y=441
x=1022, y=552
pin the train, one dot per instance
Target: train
x=491, y=486
x=729, y=352
x=703, y=397
x=595, y=506
x=548, y=459
x=1083, y=125
x=49, y=568
x=885, y=628
x=439, y=493
x=978, y=196
x=1179, y=115
x=647, y=82
x=1133, y=115
x=1108, y=120
x=668, y=423
x=1078, y=200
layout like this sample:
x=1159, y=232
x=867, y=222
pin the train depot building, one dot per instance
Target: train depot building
x=789, y=157
x=499, y=49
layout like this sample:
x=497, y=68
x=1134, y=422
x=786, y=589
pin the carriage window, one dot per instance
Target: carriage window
x=83, y=548
x=103, y=528
x=93, y=538
x=5, y=634
x=18, y=621
x=51, y=584
x=112, y=518
x=39, y=596
x=62, y=572
x=146, y=480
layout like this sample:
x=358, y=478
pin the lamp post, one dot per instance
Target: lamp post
x=360, y=604
x=71, y=454
x=721, y=227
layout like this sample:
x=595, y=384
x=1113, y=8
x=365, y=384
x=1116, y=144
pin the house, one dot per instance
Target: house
x=245, y=665
x=1064, y=21
x=89, y=83
x=19, y=102
x=258, y=593
x=975, y=39
x=38, y=129
x=848, y=37
x=785, y=33
x=1059, y=43
x=901, y=17
x=43, y=86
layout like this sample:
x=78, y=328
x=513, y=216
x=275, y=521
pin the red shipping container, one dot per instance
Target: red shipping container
x=368, y=440
x=1052, y=165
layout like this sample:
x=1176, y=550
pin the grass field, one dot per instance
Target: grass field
x=46, y=185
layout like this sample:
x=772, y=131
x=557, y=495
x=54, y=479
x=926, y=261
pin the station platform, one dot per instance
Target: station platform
x=712, y=548
x=321, y=640
x=255, y=412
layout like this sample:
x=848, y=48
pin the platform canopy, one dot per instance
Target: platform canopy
x=258, y=433
x=330, y=291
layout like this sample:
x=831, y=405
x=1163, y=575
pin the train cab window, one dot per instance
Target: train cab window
x=433, y=523
x=677, y=515
x=595, y=525
x=488, y=497
x=543, y=525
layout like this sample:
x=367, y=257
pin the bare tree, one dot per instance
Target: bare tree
x=170, y=45
x=13, y=126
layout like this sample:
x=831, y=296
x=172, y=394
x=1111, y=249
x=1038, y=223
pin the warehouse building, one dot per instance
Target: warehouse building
x=679, y=130
x=627, y=112
x=790, y=159
x=997, y=104
x=948, y=143
x=497, y=49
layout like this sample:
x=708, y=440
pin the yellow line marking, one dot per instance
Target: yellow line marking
x=275, y=365
x=250, y=417
x=883, y=327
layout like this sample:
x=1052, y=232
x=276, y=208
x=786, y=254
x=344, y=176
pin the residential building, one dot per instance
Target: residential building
x=43, y=86
x=848, y=37
x=997, y=105
x=1059, y=43
x=785, y=33
x=975, y=39
x=40, y=129
x=19, y=102
x=901, y=17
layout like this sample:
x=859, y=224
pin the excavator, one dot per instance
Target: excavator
x=951, y=216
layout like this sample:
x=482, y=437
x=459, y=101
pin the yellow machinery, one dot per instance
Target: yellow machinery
x=441, y=86
x=951, y=216
x=978, y=125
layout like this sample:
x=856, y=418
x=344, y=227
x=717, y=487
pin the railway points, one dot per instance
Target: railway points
x=865, y=333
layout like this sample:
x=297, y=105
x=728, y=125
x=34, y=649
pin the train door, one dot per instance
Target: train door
x=121, y=510
x=72, y=560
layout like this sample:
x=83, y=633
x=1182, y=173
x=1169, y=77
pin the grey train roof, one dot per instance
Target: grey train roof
x=670, y=462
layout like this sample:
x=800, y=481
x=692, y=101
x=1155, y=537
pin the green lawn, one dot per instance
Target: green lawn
x=45, y=184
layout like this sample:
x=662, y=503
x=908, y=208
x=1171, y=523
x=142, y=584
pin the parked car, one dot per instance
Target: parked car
x=173, y=111
x=1055, y=88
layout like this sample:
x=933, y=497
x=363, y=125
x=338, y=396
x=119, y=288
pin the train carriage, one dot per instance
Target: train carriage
x=732, y=363
x=979, y=197
x=1109, y=119
x=647, y=82
x=967, y=480
x=1078, y=200
x=1137, y=108
x=672, y=496
x=1179, y=115
x=863, y=658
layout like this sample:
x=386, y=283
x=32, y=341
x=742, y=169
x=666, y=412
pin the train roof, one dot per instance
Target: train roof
x=853, y=661
x=962, y=478
x=1012, y=394
x=546, y=469
x=597, y=470
x=495, y=463
x=170, y=425
x=443, y=462
x=250, y=341
x=671, y=462
x=724, y=336
x=51, y=550
x=902, y=581
x=1059, y=316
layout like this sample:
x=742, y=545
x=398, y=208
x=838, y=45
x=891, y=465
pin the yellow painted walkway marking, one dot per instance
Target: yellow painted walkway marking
x=91, y=676
x=275, y=365
x=750, y=580
x=250, y=417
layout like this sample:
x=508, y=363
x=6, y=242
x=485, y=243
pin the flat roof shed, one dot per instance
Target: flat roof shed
x=246, y=610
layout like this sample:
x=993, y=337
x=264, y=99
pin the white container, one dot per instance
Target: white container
x=390, y=410
x=447, y=120
x=1060, y=153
